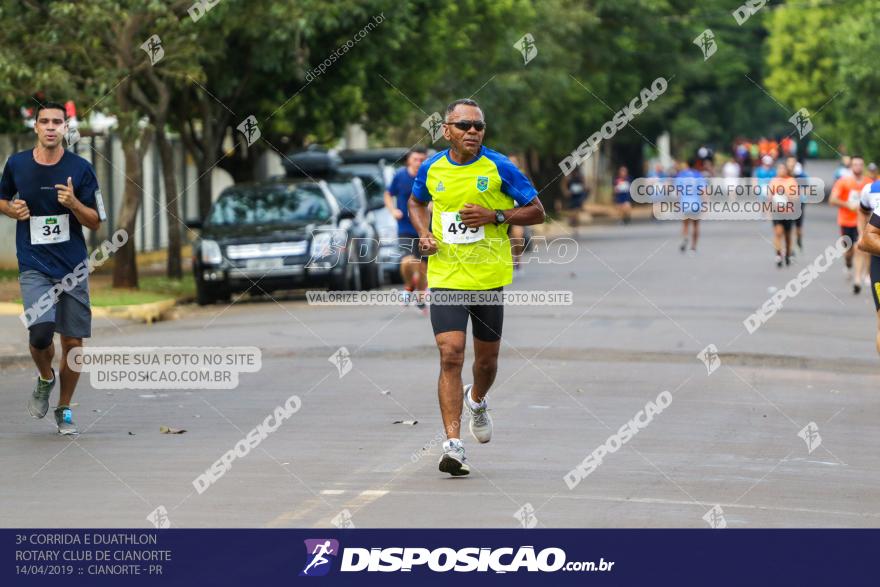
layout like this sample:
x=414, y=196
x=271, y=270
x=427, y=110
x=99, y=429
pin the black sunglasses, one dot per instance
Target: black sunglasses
x=466, y=125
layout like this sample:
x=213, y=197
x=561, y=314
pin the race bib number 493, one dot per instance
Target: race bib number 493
x=47, y=230
x=456, y=232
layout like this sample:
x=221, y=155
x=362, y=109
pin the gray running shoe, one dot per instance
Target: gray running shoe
x=453, y=460
x=39, y=402
x=64, y=420
x=481, y=421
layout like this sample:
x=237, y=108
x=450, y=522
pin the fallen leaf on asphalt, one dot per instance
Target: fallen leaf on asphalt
x=406, y=422
x=167, y=430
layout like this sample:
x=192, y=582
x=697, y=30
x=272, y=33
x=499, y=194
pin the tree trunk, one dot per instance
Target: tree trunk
x=174, y=268
x=210, y=147
x=204, y=150
x=125, y=259
x=240, y=165
x=206, y=188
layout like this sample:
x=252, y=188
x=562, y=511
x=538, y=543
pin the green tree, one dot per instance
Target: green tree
x=802, y=66
x=102, y=43
x=857, y=80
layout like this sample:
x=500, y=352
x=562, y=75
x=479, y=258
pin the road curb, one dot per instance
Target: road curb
x=10, y=309
x=148, y=313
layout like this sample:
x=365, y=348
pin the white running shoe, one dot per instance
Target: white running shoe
x=452, y=460
x=481, y=421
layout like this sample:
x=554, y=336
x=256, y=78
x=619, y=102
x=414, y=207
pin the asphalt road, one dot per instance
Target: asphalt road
x=570, y=377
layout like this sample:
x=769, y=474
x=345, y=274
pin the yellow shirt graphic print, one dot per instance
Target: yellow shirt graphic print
x=490, y=181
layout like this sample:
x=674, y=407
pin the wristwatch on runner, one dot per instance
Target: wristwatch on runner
x=499, y=217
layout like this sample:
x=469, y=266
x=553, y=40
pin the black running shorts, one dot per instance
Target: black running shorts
x=785, y=224
x=852, y=232
x=487, y=318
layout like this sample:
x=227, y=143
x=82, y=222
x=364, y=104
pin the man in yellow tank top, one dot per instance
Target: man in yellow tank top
x=477, y=193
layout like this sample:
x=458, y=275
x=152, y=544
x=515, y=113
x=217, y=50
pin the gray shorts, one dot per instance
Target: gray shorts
x=72, y=314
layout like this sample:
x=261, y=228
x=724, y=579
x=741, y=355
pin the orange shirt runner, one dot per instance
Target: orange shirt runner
x=849, y=189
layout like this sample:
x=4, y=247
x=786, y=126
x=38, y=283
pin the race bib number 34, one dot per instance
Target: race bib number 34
x=47, y=230
x=456, y=232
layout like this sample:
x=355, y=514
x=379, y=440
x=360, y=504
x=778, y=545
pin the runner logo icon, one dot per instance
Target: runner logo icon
x=318, y=553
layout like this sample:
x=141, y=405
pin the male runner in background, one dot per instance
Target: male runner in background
x=477, y=193
x=783, y=191
x=796, y=170
x=845, y=195
x=52, y=193
x=844, y=168
x=413, y=267
x=763, y=175
x=689, y=184
x=622, y=199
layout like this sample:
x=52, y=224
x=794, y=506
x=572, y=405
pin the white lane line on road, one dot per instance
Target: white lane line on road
x=803, y=460
x=332, y=491
x=363, y=499
x=290, y=518
x=373, y=493
x=641, y=500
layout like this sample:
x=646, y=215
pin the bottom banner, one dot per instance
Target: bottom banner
x=468, y=556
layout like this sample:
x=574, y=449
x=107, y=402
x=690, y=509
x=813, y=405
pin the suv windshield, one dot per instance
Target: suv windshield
x=276, y=204
x=374, y=183
x=346, y=194
x=375, y=189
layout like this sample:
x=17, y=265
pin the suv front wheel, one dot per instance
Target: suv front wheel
x=206, y=296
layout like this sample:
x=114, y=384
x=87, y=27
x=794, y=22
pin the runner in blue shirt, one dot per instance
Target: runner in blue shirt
x=763, y=175
x=52, y=193
x=688, y=182
x=413, y=266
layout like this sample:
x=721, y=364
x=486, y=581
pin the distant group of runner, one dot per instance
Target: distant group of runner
x=774, y=168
